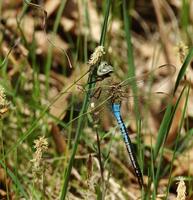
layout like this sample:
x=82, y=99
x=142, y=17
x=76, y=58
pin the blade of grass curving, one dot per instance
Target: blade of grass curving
x=25, y=6
x=166, y=131
x=34, y=125
x=152, y=175
x=55, y=28
x=185, y=141
x=177, y=139
x=162, y=130
x=15, y=180
x=183, y=69
x=49, y=55
x=91, y=79
x=165, y=122
x=16, y=42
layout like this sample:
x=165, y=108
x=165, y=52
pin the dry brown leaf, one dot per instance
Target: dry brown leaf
x=176, y=3
x=95, y=24
x=11, y=4
x=51, y=6
x=184, y=164
x=43, y=43
x=5, y=184
x=27, y=26
x=57, y=109
x=11, y=23
x=67, y=24
x=71, y=9
x=191, y=9
x=58, y=139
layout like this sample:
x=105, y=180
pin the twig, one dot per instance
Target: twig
x=162, y=31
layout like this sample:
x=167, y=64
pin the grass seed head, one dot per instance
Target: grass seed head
x=4, y=104
x=41, y=146
x=96, y=56
x=181, y=50
x=181, y=190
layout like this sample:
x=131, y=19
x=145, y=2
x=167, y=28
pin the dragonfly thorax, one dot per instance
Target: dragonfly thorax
x=116, y=93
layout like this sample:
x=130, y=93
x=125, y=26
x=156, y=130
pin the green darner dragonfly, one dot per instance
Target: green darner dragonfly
x=115, y=93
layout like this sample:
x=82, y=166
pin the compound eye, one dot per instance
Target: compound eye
x=104, y=69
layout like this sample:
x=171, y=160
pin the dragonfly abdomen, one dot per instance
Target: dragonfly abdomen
x=128, y=143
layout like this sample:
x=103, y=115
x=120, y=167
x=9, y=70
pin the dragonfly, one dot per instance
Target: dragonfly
x=116, y=93
x=116, y=110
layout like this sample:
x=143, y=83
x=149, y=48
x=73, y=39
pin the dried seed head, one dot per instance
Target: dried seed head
x=92, y=105
x=4, y=104
x=181, y=50
x=41, y=145
x=181, y=190
x=96, y=56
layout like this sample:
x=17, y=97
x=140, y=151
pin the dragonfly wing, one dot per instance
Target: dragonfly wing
x=165, y=72
x=162, y=74
x=155, y=102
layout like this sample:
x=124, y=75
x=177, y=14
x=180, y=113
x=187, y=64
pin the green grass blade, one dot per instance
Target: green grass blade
x=163, y=134
x=131, y=65
x=163, y=130
x=183, y=68
x=84, y=109
x=25, y=6
x=104, y=28
x=185, y=15
x=15, y=180
x=165, y=122
x=177, y=139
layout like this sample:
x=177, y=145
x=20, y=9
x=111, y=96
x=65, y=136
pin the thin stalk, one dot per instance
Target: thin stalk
x=131, y=65
x=99, y=155
x=49, y=55
x=1, y=7
x=25, y=6
x=177, y=140
x=81, y=120
x=34, y=125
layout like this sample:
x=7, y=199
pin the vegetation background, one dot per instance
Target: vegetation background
x=50, y=146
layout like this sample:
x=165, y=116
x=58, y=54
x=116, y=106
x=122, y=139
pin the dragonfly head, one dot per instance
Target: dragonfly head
x=104, y=69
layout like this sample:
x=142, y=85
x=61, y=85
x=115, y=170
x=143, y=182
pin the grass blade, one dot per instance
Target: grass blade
x=84, y=109
x=131, y=65
x=15, y=180
x=165, y=122
x=177, y=138
x=164, y=131
x=183, y=69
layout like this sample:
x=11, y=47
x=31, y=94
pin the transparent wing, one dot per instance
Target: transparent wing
x=164, y=72
x=157, y=82
x=149, y=86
